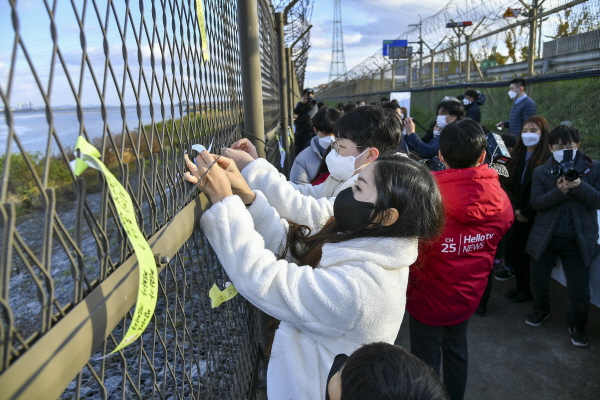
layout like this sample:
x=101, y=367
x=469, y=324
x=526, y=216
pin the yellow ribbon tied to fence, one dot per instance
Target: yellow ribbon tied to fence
x=202, y=26
x=88, y=155
x=218, y=297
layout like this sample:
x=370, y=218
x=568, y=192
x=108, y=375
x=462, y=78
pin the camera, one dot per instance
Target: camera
x=566, y=167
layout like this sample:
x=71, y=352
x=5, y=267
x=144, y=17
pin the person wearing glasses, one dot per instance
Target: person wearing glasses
x=360, y=137
x=565, y=192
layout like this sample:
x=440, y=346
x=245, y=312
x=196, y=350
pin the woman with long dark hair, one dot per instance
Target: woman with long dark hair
x=333, y=289
x=530, y=152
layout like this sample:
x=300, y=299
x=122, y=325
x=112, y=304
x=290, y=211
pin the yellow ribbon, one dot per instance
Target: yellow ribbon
x=148, y=281
x=218, y=297
x=202, y=25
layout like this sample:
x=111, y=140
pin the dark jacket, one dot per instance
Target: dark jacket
x=518, y=188
x=304, y=113
x=474, y=112
x=518, y=114
x=425, y=150
x=448, y=279
x=582, y=202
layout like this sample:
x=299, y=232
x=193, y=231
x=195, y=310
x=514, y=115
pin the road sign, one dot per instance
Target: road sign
x=393, y=43
x=400, y=52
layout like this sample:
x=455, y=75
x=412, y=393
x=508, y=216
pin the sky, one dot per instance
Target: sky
x=365, y=23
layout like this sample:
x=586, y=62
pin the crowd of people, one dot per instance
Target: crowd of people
x=376, y=220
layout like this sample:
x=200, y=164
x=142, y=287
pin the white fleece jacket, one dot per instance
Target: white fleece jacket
x=357, y=294
x=305, y=204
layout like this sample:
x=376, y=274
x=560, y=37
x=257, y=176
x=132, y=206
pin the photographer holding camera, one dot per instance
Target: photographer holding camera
x=566, y=193
x=305, y=110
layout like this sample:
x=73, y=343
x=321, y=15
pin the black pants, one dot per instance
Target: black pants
x=302, y=139
x=577, y=274
x=517, y=257
x=430, y=343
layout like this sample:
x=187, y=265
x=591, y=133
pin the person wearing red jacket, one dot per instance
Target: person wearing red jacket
x=450, y=275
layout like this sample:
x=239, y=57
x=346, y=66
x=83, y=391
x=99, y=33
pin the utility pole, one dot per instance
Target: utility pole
x=532, y=38
x=420, y=42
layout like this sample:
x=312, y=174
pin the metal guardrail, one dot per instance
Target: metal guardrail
x=68, y=276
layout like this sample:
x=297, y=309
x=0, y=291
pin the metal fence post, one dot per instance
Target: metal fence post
x=247, y=13
x=468, y=75
x=290, y=94
x=283, y=82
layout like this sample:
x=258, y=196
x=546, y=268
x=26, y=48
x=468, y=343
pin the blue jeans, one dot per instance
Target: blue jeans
x=430, y=343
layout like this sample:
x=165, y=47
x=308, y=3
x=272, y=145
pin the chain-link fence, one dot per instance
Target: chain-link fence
x=132, y=79
x=501, y=40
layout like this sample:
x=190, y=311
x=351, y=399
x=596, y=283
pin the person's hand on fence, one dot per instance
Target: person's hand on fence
x=211, y=178
x=239, y=186
x=409, y=126
x=247, y=146
x=241, y=158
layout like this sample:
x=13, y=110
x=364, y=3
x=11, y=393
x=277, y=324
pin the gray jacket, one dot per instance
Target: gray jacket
x=306, y=164
x=518, y=114
x=582, y=202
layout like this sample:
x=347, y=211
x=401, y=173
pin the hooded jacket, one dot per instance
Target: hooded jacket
x=306, y=164
x=448, y=280
x=355, y=296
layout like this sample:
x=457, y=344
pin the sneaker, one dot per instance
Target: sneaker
x=578, y=336
x=481, y=310
x=520, y=298
x=511, y=293
x=536, y=318
x=504, y=275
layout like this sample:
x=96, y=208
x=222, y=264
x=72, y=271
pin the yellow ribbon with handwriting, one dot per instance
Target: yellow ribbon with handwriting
x=202, y=25
x=148, y=281
x=218, y=297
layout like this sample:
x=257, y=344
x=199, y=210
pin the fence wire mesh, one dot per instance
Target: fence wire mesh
x=130, y=77
x=565, y=40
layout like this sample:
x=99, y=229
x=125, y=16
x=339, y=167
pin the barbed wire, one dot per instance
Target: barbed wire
x=434, y=31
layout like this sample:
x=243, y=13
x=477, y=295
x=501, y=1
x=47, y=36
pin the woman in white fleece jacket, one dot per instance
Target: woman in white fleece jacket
x=348, y=286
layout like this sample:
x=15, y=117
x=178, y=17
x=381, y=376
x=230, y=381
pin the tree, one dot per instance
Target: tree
x=576, y=20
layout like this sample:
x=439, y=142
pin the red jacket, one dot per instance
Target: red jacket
x=448, y=279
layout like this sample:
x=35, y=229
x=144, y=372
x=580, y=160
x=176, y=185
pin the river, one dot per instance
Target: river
x=32, y=128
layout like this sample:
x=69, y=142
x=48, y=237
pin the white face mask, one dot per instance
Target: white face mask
x=401, y=116
x=512, y=94
x=559, y=155
x=325, y=141
x=530, y=138
x=466, y=102
x=342, y=168
x=436, y=133
x=441, y=121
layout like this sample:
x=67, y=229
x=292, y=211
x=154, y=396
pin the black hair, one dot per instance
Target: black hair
x=519, y=82
x=540, y=154
x=472, y=93
x=385, y=99
x=349, y=107
x=563, y=134
x=461, y=143
x=509, y=140
x=453, y=107
x=394, y=101
x=384, y=371
x=325, y=118
x=340, y=106
x=307, y=91
x=320, y=104
x=390, y=105
x=402, y=184
x=371, y=126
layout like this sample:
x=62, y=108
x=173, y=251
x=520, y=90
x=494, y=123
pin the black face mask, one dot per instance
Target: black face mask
x=350, y=213
x=338, y=363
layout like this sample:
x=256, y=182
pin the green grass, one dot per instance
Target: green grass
x=25, y=192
